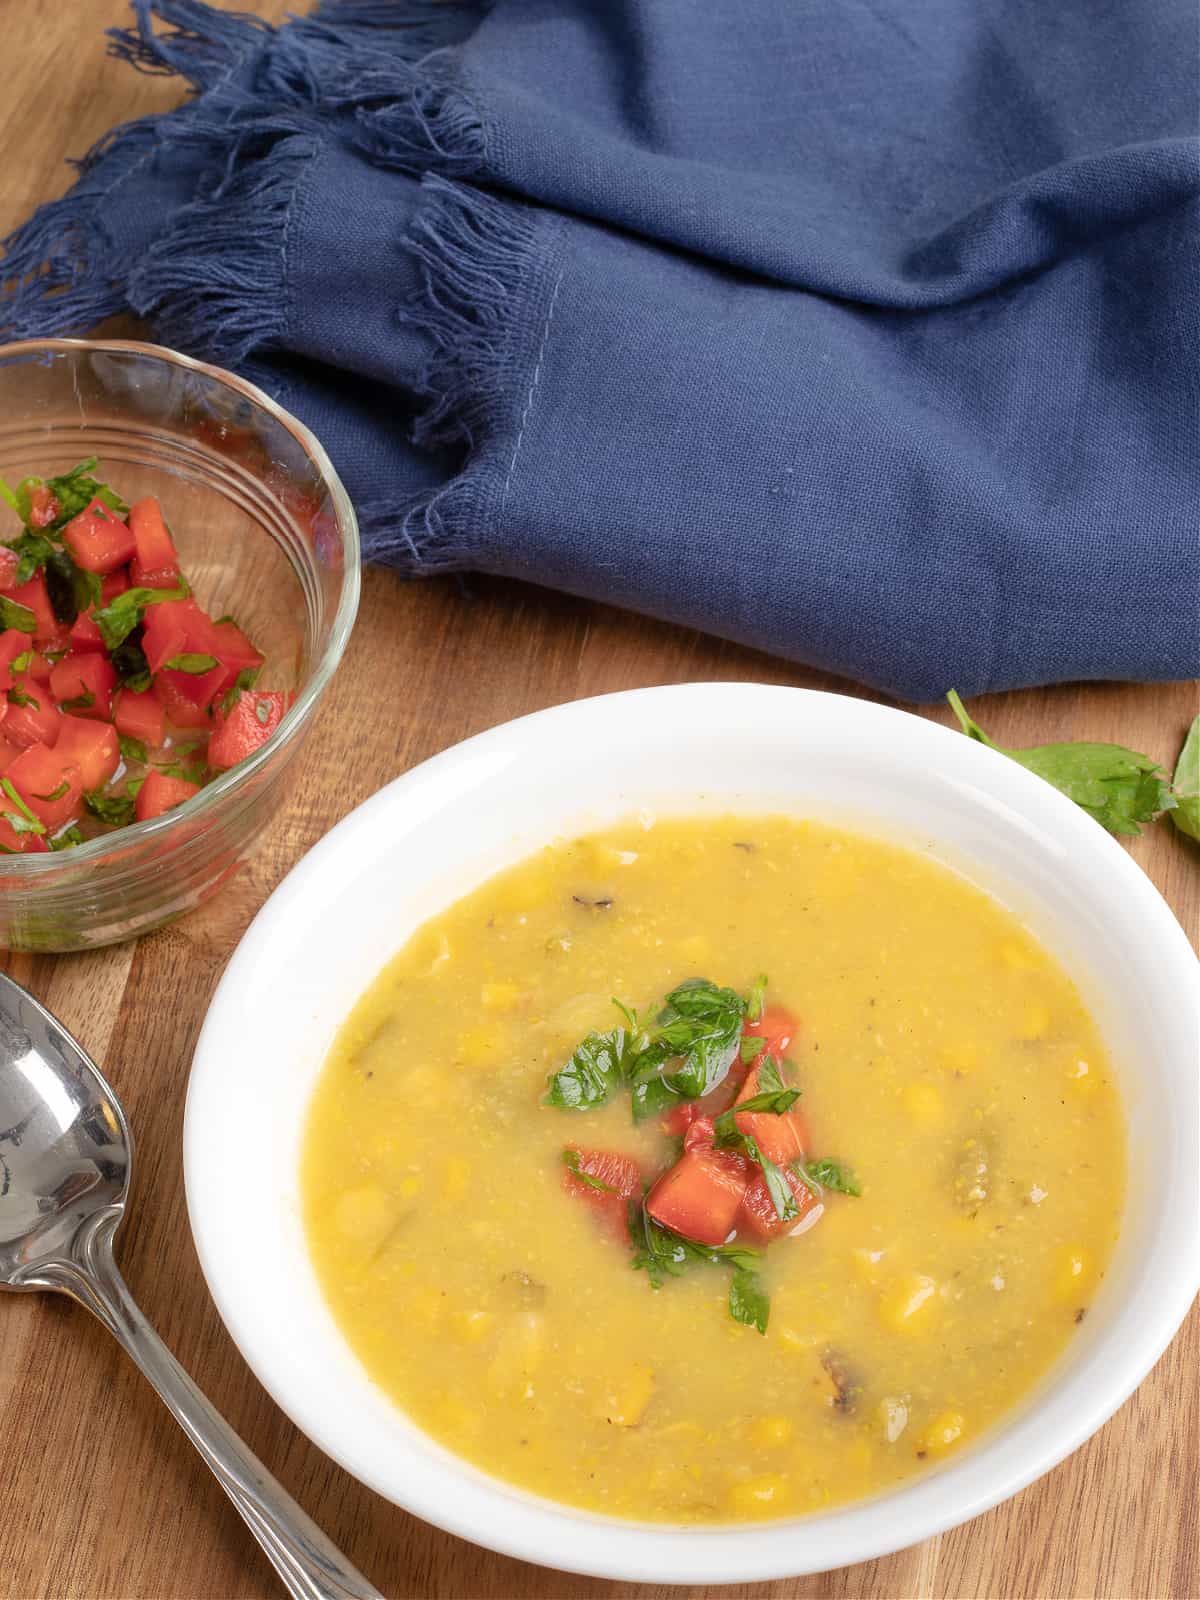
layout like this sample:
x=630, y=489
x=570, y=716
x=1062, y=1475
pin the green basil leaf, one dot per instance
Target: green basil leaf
x=130, y=664
x=1187, y=784
x=19, y=697
x=55, y=794
x=115, y=809
x=34, y=550
x=1116, y=786
x=68, y=839
x=16, y=616
x=76, y=489
x=825, y=1174
x=246, y=679
x=749, y=1302
x=596, y=1068
x=132, y=749
x=121, y=615
x=81, y=702
x=23, y=820
x=193, y=663
x=756, y=997
x=752, y=1048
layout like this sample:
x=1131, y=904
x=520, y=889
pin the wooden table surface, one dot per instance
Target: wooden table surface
x=101, y=1494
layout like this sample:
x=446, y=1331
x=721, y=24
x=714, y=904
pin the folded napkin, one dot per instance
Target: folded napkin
x=863, y=331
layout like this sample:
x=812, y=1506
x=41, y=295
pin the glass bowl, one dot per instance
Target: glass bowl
x=264, y=529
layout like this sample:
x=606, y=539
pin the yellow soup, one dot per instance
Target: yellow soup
x=944, y=1060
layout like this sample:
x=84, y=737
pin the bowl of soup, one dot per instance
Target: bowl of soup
x=702, y=1134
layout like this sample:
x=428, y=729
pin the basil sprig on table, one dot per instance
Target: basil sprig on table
x=1120, y=788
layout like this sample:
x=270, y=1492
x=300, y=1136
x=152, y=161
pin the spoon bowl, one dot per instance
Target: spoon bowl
x=65, y=1150
x=66, y=1159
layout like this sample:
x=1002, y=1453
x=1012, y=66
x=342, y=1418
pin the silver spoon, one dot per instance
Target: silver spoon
x=65, y=1160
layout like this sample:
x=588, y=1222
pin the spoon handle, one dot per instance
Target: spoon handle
x=310, y=1565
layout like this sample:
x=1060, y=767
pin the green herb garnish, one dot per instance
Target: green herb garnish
x=121, y=615
x=67, y=839
x=130, y=664
x=824, y=1174
x=1186, y=816
x=71, y=588
x=570, y=1160
x=131, y=749
x=115, y=809
x=193, y=663
x=16, y=616
x=1116, y=786
x=55, y=794
x=749, y=1302
x=246, y=679
x=19, y=697
x=598, y=1066
x=22, y=820
x=754, y=1000
x=752, y=1048
x=662, y=1254
x=34, y=550
x=76, y=489
x=80, y=702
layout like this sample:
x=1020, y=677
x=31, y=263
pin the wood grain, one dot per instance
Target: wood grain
x=102, y=1497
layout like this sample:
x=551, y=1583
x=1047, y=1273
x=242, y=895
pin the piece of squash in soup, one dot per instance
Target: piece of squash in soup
x=736, y=1249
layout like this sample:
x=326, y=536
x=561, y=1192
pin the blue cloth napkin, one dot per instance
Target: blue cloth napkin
x=863, y=331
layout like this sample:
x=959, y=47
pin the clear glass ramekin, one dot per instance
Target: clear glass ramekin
x=265, y=531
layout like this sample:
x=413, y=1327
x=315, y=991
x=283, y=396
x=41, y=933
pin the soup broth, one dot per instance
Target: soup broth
x=944, y=1059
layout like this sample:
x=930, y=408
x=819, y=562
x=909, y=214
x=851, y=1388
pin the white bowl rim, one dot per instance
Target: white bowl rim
x=528, y=1527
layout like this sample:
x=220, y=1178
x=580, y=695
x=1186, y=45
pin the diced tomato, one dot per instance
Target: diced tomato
x=701, y=1194
x=48, y=631
x=8, y=753
x=9, y=562
x=38, y=669
x=153, y=577
x=699, y=1134
x=234, y=649
x=36, y=722
x=13, y=843
x=111, y=586
x=180, y=711
x=621, y=1175
x=98, y=539
x=84, y=684
x=200, y=688
x=173, y=628
x=780, y=1136
x=160, y=793
x=92, y=747
x=43, y=506
x=51, y=787
x=155, y=549
x=85, y=635
x=251, y=721
x=163, y=634
x=13, y=643
x=140, y=716
x=777, y=1027
x=758, y=1217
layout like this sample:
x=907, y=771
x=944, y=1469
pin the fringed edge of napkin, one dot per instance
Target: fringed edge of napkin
x=378, y=75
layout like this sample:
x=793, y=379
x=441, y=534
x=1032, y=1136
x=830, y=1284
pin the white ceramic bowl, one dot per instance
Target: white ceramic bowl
x=419, y=843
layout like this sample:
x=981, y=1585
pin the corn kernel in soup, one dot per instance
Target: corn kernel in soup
x=946, y=1069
